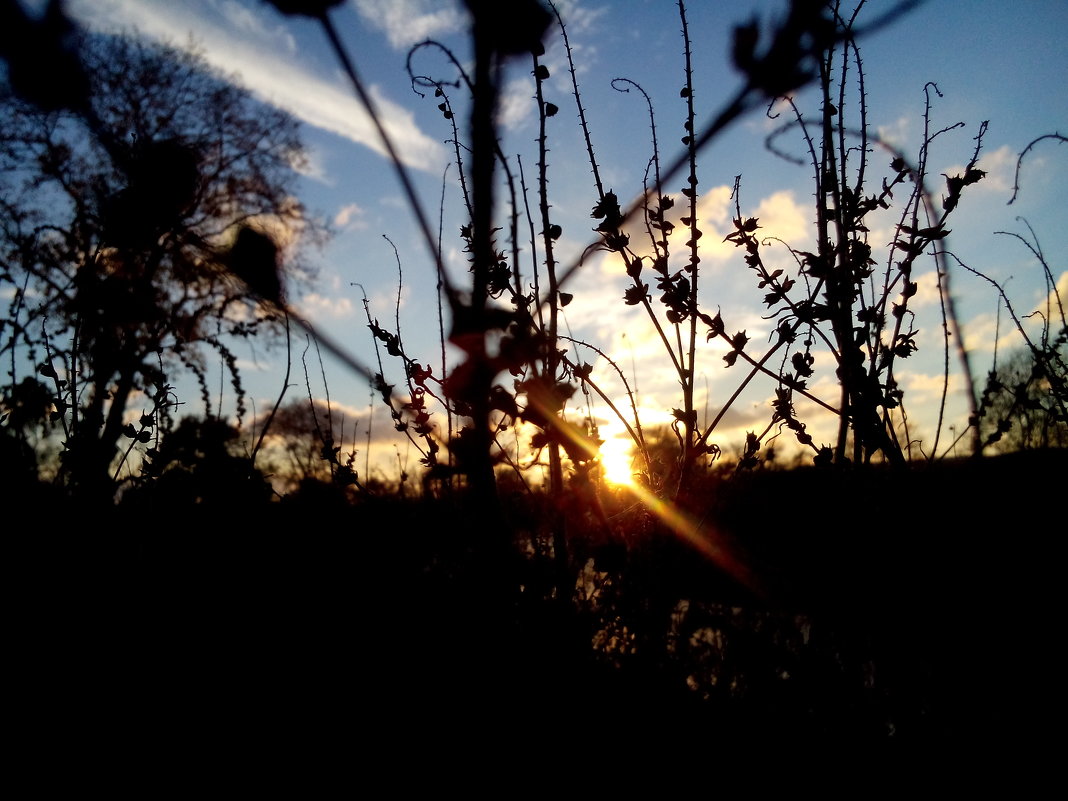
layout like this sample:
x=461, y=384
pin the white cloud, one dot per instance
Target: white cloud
x=407, y=22
x=581, y=18
x=350, y=216
x=896, y=133
x=781, y=215
x=626, y=335
x=924, y=389
x=318, y=307
x=248, y=48
x=516, y=104
x=927, y=294
x=715, y=205
x=1055, y=299
x=246, y=20
x=999, y=166
x=980, y=333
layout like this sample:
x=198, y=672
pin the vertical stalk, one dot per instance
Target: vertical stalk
x=688, y=356
x=470, y=333
x=552, y=354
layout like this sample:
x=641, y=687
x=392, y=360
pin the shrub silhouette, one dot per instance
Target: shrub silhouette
x=869, y=594
x=119, y=209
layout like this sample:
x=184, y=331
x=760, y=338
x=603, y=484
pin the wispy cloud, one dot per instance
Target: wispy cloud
x=244, y=19
x=999, y=166
x=350, y=216
x=896, y=133
x=516, y=103
x=316, y=306
x=407, y=22
x=239, y=42
x=1056, y=300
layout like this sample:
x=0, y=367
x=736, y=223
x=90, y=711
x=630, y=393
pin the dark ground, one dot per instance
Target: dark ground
x=923, y=608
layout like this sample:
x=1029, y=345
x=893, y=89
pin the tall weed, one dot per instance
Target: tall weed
x=842, y=308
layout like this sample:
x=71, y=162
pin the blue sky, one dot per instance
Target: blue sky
x=995, y=61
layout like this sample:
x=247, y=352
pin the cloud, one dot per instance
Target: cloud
x=999, y=166
x=581, y=17
x=407, y=22
x=625, y=333
x=245, y=46
x=924, y=392
x=1055, y=299
x=896, y=134
x=516, y=104
x=350, y=216
x=983, y=330
x=779, y=215
x=927, y=294
x=715, y=205
x=246, y=20
x=318, y=307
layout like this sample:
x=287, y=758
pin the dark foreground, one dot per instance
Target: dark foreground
x=921, y=608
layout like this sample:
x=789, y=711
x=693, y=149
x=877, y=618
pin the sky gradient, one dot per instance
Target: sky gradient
x=992, y=61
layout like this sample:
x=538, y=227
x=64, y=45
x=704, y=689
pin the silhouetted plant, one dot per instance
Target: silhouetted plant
x=309, y=441
x=201, y=462
x=817, y=601
x=127, y=213
x=833, y=312
x=1027, y=399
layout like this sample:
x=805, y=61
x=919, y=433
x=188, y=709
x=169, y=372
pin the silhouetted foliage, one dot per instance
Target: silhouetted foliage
x=201, y=462
x=1023, y=407
x=861, y=598
x=116, y=226
x=308, y=443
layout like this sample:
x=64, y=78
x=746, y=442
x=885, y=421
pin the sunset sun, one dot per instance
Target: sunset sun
x=617, y=461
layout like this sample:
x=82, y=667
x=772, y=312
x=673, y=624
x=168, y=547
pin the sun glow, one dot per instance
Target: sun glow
x=617, y=458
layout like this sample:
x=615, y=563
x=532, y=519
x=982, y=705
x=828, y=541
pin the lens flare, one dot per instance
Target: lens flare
x=703, y=536
x=617, y=459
